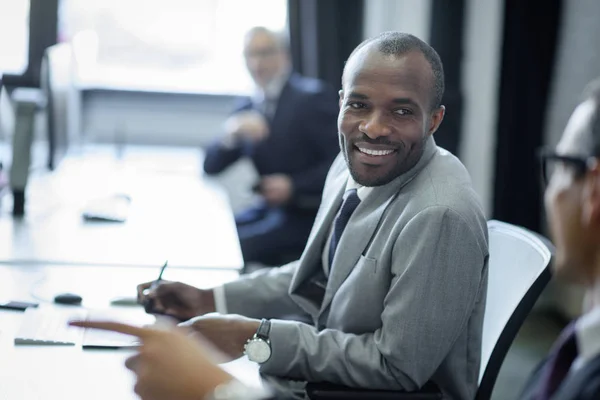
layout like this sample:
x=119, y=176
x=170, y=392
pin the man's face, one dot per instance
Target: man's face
x=265, y=59
x=568, y=203
x=385, y=114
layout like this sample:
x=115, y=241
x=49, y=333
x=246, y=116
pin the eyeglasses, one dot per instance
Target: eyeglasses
x=262, y=53
x=550, y=159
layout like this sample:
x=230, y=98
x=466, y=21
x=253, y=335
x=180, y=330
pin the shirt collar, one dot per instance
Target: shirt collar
x=361, y=191
x=587, y=329
x=273, y=89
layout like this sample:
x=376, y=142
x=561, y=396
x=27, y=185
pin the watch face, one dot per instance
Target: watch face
x=258, y=350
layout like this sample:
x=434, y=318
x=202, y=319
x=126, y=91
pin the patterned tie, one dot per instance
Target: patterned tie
x=341, y=220
x=559, y=363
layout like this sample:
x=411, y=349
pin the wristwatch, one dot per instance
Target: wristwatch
x=258, y=348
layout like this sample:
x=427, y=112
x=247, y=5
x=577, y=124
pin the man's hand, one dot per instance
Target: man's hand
x=250, y=125
x=176, y=299
x=169, y=364
x=277, y=189
x=228, y=333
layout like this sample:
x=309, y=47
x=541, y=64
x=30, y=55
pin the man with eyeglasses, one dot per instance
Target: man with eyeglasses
x=572, y=175
x=287, y=128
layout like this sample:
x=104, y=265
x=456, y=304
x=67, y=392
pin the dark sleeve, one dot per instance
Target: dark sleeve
x=319, y=124
x=218, y=157
x=588, y=380
x=592, y=392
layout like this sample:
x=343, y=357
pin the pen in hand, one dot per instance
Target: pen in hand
x=149, y=303
x=162, y=270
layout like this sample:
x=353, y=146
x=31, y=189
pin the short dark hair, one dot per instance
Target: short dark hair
x=398, y=44
x=592, y=92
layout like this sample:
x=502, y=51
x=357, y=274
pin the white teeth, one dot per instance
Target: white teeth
x=375, y=152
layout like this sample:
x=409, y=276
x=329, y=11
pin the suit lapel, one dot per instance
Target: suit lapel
x=576, y=382
x=363, y=225
x=354, y=240
x=283, y=104
x=311, y=258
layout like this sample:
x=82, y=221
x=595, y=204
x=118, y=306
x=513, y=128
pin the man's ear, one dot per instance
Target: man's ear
x=591, y=197
x=437, y=116
x=341, y=101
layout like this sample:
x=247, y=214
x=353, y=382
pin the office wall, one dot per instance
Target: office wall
x=481, y=80
x=410, y=16
x=578, y=62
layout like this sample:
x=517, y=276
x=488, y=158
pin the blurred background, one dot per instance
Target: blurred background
x=167, y=73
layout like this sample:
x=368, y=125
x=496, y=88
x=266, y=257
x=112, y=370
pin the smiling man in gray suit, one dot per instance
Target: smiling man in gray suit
x=394, y=273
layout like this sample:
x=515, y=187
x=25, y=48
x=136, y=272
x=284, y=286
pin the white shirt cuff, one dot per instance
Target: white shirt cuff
x=220, y=301
x=236, y=390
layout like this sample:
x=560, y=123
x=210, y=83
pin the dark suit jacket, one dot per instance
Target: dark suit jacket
x=303, y=140
x=584, y=384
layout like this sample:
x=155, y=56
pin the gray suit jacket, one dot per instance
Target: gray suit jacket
x=405, y=297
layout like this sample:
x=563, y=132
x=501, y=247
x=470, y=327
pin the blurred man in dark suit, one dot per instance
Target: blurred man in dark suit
x=288, y=130
x=572, y=171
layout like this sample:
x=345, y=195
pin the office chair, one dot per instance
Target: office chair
x=518, y=272
x=55, y=75
x=56, y=82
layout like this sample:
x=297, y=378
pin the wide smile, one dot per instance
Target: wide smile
x=373, y=152
x=374, y=156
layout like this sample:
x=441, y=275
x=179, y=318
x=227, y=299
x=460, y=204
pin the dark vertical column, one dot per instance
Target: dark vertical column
x=322, y=36
x=43, y=25
x=528, y=58
x=446, y=37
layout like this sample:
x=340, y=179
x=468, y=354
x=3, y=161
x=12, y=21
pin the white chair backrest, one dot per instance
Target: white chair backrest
x=517, y=258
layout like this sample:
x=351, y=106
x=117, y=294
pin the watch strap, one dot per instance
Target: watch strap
x=264, y=329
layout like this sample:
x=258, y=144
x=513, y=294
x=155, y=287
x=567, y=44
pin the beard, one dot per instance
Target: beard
x=405, y=158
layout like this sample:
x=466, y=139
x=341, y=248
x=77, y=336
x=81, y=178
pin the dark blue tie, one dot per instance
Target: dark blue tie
x=314, y=287
x=350, y=203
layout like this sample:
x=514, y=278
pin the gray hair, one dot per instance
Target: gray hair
x=282, y=39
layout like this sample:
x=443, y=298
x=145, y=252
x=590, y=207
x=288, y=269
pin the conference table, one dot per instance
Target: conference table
x=175, y=212
x=31, y=372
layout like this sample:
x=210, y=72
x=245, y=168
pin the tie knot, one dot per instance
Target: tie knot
x=351, y=201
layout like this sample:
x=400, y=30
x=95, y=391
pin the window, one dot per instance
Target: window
x=174, y=45
x=14, y=36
